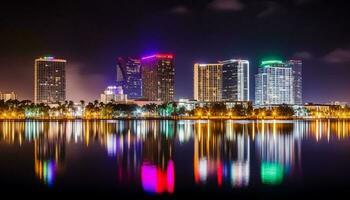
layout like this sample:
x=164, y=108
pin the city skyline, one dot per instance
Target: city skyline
x=231, y=99
x=233, y=79
x=267, y=29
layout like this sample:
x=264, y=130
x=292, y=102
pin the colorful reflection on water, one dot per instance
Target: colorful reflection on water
x=156, y=157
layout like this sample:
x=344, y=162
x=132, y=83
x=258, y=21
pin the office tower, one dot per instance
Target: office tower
x=296, y=66
x=208, y=82
x=235, y=80
x=8, y=96
x=129, y=77
x=274, y=84
x=113, y=94
x=49, y=80
x=158, y=75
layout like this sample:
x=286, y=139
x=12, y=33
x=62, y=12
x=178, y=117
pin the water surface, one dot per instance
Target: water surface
x=170, y=159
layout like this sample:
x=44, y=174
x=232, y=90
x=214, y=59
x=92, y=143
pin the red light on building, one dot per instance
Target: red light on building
x=165, y=56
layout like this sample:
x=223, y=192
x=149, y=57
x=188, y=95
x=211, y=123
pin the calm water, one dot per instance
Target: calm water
x=167, y=158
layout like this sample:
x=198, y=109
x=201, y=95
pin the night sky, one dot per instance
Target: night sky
x=92, y=34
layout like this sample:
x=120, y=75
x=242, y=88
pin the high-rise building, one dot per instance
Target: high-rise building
x=129, y=76
x=208, y=82
x=49, y=80
x=235, y=80
x=158, y=74
x=274, y=84
x=8, y=96
x=296, y=66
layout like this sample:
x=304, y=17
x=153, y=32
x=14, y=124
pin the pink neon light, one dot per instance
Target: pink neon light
x=161, y=56
x=149, y=178
x=170, y=177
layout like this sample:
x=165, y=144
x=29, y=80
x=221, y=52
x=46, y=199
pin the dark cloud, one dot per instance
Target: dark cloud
x=226, y=5
x=302, y=2
x=271, y=8
x=303, y=55
x=180, y=10
x=338, y=56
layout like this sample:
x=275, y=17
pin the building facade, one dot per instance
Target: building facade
x=274, y=84
x=158, y=75
x=49, y=80
x=5, y=96
x=129, y=76
x=208, y=82
x=235, y=80
x=113, y=94
x=296, y=66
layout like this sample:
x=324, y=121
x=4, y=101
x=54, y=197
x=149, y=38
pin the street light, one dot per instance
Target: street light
x=199, y=114
x=274, y=114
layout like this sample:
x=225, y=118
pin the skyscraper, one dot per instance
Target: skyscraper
x=49, y=80
x=129, y=76
x=158, y=74
x=296, y=66
x=208, y=82
x=274, y=84
x=235, y=80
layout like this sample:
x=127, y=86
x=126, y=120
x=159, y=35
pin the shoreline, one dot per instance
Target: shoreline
x=178, y=119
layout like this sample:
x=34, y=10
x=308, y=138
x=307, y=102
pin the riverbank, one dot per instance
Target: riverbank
x=178, y=118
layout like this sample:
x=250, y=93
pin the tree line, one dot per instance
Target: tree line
x=27, y=109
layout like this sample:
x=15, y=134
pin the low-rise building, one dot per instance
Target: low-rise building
x=318, y=107
x=142, y=102
x=192, y=104
x=8, y=96
x=113, y=94
x=342, y=104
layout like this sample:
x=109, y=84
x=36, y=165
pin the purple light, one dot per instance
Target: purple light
x=50, y=172
x=161, y=56
x=155, y=180
x=148, y=57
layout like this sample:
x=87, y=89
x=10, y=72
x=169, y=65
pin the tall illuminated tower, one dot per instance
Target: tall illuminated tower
x=235, y=80
x=158, y=74
x=207, y=82
x=296, y=66
x=49, y=80
x=274, y=84
x=129, y=76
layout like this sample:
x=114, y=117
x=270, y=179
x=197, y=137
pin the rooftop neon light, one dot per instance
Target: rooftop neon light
x=269, y=62
x=49, y=57
x=161, y=56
